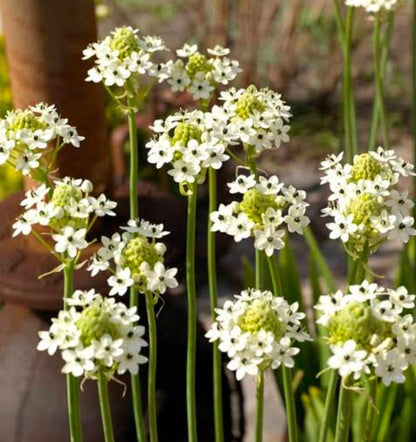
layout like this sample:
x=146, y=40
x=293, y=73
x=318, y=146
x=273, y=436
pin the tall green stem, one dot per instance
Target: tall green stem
x=151, y=383
x=414, y=96
x=287, y=375
x=370, y=410
x=344, y=414
x=329, y=401
x=192, y=315
x=72, y=385
x=213, y=289
x=259, y=406
x=379, y=80
x=102, y=384
x=134, y=213
x=348, y=96
x=383, y=64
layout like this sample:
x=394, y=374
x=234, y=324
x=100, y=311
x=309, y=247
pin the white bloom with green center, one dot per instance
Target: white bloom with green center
x=375, y=6
x=256, y=332
x=266, y=212
x=96, y=335
x=365, y=202
x=123, y=57
x=366, y=328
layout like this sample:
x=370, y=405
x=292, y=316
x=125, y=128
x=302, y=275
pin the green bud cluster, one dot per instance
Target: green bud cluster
x=255, y=204
x=62, y=196
x=25, y=119
x=138, y=251
x=363, y=207
x=260, y=316
x=95, y=322
x=356, y=321
x=248, y=103
x=197, y=63
x=125, y=42
x=365, y=167
x=185, y=132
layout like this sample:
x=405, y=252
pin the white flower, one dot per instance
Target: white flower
x=130, y=361
x=78, y=361
x=347, y=359
x=221, y=219
x=296, y=219
x=390, y=367
x=240, y=227
x=242, y=184
x=102, y=206
x=23, y=224
x=27, y=161
x=145, y=228
x=70, y=241
x=186, y=50
x=342, y=228
x=401, y=298
x=269, y=240
x=161, y=278
x=200, y=87
x=120, y=282
x=184, y=172
x=403, y=228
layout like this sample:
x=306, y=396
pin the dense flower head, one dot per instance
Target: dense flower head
x=366, y=204
x=266, y=211
x=26, y=133
x=95, y=334
x=66, y=209
x=123, y=56
x=259, y=118
x=369, y=332
x=135, y=259
x=256, y=330
x=197, y=73
x=188, y=142
x=375, y=6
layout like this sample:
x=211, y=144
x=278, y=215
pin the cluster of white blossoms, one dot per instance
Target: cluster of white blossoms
x=123, y=57
x=257, y=118
x=368, y=331
x=375, y=6
x=190, y=143
x=138, y=259
x=257, y=330
x=268, y=209
x=95, y=334
x=365, y=202
x=67, y=210
x=25, y=135
x=198, y=74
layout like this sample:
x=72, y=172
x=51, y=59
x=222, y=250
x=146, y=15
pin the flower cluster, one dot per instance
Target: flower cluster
x=138, y=259
x=368, y=331
x=375, y=6
x=66, y=209
x=95, y=334
x=25, y=135
x=267, y=209
x=188, y=142
x=365, y=203
x=123, y=57
x=257, y=118
x=256, y=331
x=199, y=75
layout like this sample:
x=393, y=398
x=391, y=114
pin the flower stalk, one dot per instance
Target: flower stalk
x=212, y=282
x=102, y=384
x=259, y=406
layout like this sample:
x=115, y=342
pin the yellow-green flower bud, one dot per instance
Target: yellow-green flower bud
x=260, y=316
x=197, y=63
x=124, y=41
x=356, y=321
x=62, y=196
x=363, y=207
x=185, y=132
x=255, y=204
x=25, y=119
x=95, y=322
x=365, y=168
x=248, y=103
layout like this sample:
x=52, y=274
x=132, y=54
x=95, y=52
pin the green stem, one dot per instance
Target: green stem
x=338, y=19
x=379, y=80
x=290, y=404
x=213, y=294
x=259, y=270
x=348, y=97
x=414, y=96
x=259, y=406
x=329, y=401
x=344, y=414
x=151, y=385
x=102, y=384
x=72, y=387
x=383, y=64
x=320, y=259
x=192, y=316
x=372, y=385
x=134, y=213
x=275, y=275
